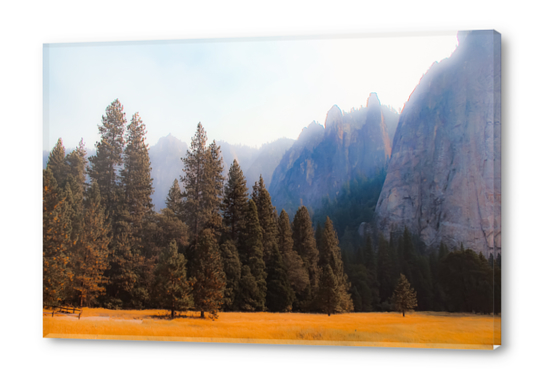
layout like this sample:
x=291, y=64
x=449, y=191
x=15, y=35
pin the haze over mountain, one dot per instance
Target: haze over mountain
x=167, y=165
x=353, y=144
x=443, y=180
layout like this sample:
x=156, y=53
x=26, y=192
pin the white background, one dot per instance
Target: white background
x=25, y=26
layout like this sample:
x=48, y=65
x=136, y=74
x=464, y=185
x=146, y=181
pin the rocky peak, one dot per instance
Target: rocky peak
x=373, y=101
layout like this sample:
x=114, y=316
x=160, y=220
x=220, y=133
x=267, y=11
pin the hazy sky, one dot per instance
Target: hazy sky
x=242, y=91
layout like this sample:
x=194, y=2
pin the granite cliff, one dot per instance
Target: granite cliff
x=443, y=180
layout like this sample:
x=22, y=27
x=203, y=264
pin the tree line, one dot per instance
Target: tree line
x=458, y=280
x=218, y=247
x=214, y=247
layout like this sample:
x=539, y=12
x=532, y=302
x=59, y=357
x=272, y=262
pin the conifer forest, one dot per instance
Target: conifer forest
x=220, y=245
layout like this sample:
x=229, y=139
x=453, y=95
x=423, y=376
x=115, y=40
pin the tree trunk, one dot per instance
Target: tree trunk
x=202, y=315
x=403, y=313
x=172, y=314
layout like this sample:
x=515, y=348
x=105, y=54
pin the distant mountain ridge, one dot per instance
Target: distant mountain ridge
x=166, y=164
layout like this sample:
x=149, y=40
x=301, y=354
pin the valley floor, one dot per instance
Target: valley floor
x=417, y=329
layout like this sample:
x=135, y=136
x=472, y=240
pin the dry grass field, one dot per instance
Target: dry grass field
x=419, y=329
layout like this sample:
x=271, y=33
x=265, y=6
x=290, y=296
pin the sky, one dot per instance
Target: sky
x=243, y=91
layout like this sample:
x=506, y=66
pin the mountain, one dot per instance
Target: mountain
x=166, y=166
x=266, y=161
x=322, y=160
x=443, y=180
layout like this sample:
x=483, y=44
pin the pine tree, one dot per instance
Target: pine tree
x=57, y=163
x=213, y=188
x=172, y=288
x=203, y=183
x=174, y=199
x=210, y=280
x=136, y=174
x=105, y=165
x=232, y=270
x=56, y=241
x=305, y=245
x=297, y=273
x=90, y=259
x=267, y=216
x=330, y=255
x=126, y=261
x=251, y=254
x=328, y=292
x=280, y=296
x=404, y=297
x=77, y=162
x=76, y=178
x=235, y=201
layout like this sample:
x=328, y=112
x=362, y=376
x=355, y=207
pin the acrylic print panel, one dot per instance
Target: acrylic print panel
x=337, y=190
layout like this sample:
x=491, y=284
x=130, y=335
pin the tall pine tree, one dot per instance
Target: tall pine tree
x=172, y=288
x=297, y=273
x=330, y=255
x=235, y=202
x=57, y=163
x=90, y=260
x=267, y=216
x=210, y=280
x=305, y=245
x=203, y=182
x=106, y=164
x=251, y=254
x=174, y=199
x=136, y=174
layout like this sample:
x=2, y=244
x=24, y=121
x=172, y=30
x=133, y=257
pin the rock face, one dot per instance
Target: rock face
x=444, y=180
x=323, y=160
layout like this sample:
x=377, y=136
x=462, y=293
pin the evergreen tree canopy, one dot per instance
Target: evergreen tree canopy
x=136, y=174
x=329, y=297
x=267, y=216
x=235, y=201
x=232, y=270
x=251, y=253
x=404, y=297
x=305, y=244
x=90, y=260
x=280, y=296
x=467, y=281
x=174, y=200
x=57, y=163
x=297, y=273
x=104, y=166
x=210, y=280
x=171, y=287
x=330, y=255
x=385, y=269
x=202, y=182
x=56, y=240
x=77, y=162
